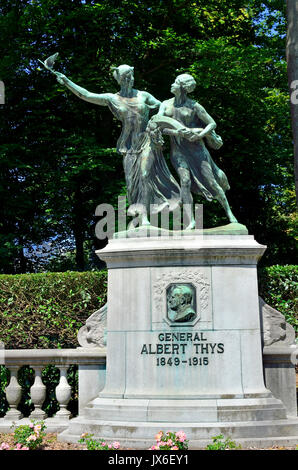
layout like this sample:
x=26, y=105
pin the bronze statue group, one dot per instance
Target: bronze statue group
x=145, y=121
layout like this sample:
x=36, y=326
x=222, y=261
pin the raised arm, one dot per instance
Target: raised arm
x=162, y=108
x=152, y=102
x=101, y=99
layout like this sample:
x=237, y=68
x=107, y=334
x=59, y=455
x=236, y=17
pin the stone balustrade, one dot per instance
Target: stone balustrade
x=278, y=365
x=38, y=359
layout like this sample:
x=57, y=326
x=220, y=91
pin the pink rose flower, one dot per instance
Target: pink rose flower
x=181, y=436
x=4, y=446
x=116, y=445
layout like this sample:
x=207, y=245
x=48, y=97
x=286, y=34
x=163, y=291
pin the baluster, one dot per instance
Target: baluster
x=13, y=395
x=38, y=394
x=63, y=393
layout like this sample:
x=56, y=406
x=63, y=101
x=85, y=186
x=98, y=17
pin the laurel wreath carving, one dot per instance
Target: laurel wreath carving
x=197, y=278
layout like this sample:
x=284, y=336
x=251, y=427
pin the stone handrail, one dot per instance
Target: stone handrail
x=37, y=359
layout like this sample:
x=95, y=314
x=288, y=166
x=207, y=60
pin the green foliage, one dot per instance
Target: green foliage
x=4, y=379
x=57, y=152
x=50, y=378
x=46, y=310
x=97, y=444
x=278, y=287
x=26, y=380
x=219, y=443
x=30, y=435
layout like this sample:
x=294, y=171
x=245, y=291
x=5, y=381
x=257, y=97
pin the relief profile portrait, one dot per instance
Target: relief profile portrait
x=181, y=303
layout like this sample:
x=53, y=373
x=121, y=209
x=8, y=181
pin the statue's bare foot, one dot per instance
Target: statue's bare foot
x=191, y=226
x=145, y=221
x=233, y=219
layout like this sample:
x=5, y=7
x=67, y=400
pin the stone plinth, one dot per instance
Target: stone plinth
x=217, y=354
x=183, y=343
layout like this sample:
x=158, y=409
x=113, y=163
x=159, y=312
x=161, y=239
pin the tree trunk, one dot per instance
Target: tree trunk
x=79, y=229
x=79, y=238
x=292, y=61
x=22, y=261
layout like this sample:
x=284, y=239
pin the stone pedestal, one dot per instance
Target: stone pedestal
x=183, y=343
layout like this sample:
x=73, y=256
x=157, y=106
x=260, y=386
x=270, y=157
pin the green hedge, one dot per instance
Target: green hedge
x=278, y=285
x=46, y=311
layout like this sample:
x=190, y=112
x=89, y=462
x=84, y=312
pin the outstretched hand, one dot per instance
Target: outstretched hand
x=61, y=78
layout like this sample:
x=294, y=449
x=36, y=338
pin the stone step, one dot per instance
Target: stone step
x=140, y=435
x=249, y=409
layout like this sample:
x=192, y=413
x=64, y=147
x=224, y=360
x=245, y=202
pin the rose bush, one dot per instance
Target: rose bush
x=170, y=441
x=97, y=444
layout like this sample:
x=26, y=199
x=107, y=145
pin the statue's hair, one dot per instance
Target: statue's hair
x=184, y=77
x=118, y=71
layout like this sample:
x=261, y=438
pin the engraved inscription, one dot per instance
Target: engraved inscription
x=182, y=349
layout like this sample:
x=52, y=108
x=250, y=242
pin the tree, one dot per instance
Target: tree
x=292, y=60
x=57, y=156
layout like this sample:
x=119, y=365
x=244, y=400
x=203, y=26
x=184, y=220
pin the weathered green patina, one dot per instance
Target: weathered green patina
x=151, y=188
x=189, y=155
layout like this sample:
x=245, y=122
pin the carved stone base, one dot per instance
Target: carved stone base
x=38, y=414
x=153, y=349
x=140, y=435
x=13, y=415
x=183, y=342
